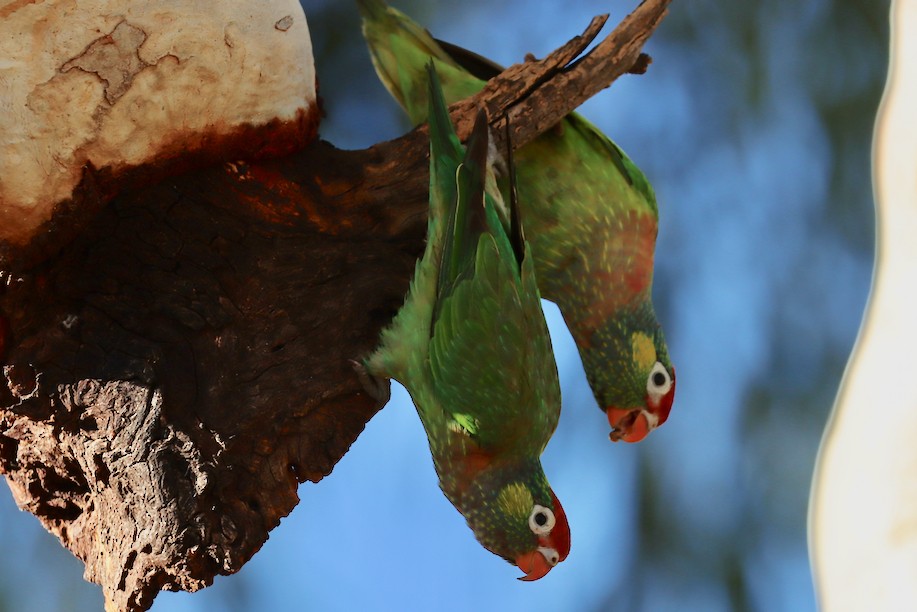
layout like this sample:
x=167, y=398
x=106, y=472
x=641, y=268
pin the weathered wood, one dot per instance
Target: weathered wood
x=180, y=364
x=183, y=364
x=537, y=94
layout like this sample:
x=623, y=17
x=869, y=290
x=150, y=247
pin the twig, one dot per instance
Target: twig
x=536, y=95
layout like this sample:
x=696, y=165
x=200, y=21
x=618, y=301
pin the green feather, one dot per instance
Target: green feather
x=590, y=213
x=471, y=346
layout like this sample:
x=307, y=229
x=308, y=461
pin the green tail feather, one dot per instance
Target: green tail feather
x=400, y=50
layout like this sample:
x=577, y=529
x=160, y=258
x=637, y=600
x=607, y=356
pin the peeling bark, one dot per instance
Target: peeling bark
x=174, y=370
x=114, y=58
x=119, y=85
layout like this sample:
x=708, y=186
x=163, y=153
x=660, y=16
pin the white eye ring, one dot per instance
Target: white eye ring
x=541, y=520
x=658, y=382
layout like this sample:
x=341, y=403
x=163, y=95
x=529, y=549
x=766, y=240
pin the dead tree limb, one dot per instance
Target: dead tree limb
x=174, y=370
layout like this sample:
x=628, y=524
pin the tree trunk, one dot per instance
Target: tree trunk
x=863, y=515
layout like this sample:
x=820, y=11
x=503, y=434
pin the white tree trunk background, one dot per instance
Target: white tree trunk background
x=863, y=511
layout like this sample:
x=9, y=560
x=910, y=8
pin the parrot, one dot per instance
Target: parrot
x=591, y=216
x=471, y=346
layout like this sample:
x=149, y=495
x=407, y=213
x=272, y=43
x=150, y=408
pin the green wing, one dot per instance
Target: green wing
x=470, y=343
x=446, y=154
x=490, y=357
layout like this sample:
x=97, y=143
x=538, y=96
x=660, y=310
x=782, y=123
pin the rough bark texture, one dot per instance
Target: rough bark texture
x=173, y=371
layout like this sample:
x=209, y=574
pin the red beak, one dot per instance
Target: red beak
x=534, y=564
x=628, y=424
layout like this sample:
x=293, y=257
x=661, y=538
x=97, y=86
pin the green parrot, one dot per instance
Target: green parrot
x=471, y=346
x=591, y=216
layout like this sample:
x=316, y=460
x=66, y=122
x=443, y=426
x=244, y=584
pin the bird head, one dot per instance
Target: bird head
x=638, y=390
x=552, y=532
x=633, y=423
x=521, y=520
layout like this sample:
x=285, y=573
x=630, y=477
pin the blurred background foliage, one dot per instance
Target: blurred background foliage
x=754, y=124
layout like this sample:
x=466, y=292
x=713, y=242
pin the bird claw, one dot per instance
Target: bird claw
x=379, y=389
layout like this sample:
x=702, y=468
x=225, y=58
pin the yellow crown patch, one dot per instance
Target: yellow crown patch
x=516, y=500
x=644, y=350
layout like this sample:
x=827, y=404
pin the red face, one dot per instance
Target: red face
x=634, y=424
x=553, y=534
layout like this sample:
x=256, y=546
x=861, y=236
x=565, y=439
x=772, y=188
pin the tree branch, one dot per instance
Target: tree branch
x=536, y=95
x=178, y=367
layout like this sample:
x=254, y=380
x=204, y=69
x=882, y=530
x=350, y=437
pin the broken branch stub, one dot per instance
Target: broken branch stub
x=537, y=94
x=174, y=369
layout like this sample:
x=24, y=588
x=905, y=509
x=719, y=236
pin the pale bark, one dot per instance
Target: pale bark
x=117, y=84
x=863, y=517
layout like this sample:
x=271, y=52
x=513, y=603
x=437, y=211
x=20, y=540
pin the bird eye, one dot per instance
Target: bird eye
x=541, y=520
x=659, y=381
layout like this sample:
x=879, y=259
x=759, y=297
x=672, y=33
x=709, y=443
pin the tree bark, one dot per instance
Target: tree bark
x=863, y=503
x=174, y=370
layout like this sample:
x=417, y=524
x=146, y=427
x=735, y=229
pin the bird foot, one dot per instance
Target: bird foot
x=379, y=389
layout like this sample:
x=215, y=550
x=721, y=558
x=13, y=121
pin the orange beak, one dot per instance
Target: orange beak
x=628, y=424
x=534, y=564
